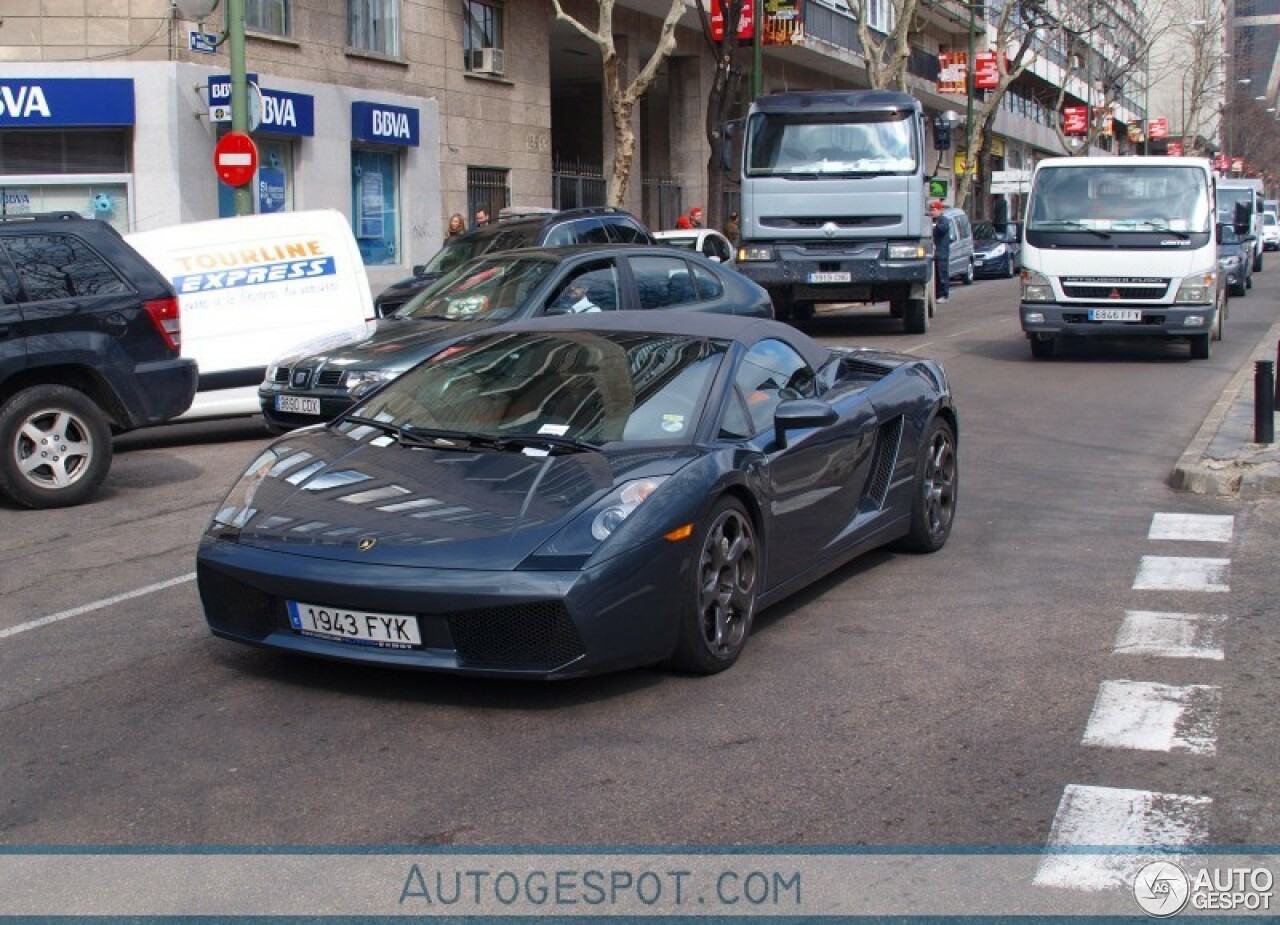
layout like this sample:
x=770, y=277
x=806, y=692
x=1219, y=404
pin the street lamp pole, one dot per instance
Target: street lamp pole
x=239, y=92
x=969, y=165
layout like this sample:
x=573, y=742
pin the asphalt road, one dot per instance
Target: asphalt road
x=905, y=700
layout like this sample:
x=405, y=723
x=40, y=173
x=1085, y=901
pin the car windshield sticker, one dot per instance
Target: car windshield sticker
x=673, y=423
x=555, y=430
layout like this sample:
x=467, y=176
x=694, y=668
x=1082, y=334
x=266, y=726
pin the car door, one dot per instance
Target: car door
x=807, y=504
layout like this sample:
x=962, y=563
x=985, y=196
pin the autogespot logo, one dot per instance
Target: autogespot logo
x=1161, y=889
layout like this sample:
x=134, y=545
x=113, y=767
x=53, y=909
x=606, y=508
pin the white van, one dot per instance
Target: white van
x=254, y=287
x=1121, y=247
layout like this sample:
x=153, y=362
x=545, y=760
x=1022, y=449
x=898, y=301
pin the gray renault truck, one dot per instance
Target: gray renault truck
x=833, y=202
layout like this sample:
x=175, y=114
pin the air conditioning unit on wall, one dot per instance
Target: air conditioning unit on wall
x=487, y=61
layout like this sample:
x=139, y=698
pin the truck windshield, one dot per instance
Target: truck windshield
x=791, y=144
x=1120, y=199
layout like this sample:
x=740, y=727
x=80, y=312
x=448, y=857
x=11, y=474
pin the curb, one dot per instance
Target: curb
x=1252, y=468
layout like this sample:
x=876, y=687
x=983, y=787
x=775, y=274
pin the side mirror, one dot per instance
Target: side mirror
x=419, y=269
x=801, y=414
x=1218, y=233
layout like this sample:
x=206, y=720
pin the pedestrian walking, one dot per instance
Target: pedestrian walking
x=482, y=218
x=731, y=227
x=457, y=225
x=941, y=250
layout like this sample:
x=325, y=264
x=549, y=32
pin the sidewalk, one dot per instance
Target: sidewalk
x=1221, y=459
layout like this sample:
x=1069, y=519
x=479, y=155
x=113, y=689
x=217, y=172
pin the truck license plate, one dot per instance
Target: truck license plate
x=1115, y=314
x=844, y=277
x=296, y=404
x=391, y=631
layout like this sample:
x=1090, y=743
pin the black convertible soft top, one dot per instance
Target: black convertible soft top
x=745, y=330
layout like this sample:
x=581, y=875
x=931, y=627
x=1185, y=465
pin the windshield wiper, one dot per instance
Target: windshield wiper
x=551, y=442
x=1164, y=226
x=416, y=436
x=1072, y=225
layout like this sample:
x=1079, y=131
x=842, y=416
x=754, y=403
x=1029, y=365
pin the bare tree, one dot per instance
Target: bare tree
x=622, y=99
x=726, y=82
x=886, y=54
x=1018, y=28
x=1199, y=62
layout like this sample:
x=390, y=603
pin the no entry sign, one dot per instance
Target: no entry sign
x=235, y=158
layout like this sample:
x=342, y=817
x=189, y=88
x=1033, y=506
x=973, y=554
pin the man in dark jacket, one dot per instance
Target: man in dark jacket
x=941, y=250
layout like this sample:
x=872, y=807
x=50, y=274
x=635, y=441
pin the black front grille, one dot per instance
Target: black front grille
x=1118, y=293
x=282, y=375
x=234, y=607
x=1083, y=318
x=329, y=378
x=536, y=635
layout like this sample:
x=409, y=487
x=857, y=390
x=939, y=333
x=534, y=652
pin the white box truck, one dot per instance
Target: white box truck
x=254, y=287
x=1121, y=247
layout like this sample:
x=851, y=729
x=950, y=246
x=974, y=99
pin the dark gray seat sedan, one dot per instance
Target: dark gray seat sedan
x=316, y=384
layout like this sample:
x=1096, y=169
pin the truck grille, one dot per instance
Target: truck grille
x=1120, y=292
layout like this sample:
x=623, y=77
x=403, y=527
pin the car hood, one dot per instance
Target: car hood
x=327, y=495
x=395, y=343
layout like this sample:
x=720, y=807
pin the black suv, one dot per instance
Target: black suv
x=518, y=228
x=89, y=343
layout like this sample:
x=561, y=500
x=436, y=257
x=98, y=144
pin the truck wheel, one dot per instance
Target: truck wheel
x=897, y=308
x=1257, y=263
x=55, y=447
x=802, y=311
x=781, y=304
x=1200, y=346
x=1042, y=347
x=967, y=279
x=915, y=318
x=1218, y=321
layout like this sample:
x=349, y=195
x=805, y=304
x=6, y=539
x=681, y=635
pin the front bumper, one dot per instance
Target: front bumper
x=993, y=266
x=869, y=271
x=621, y=613
x=1156, y=321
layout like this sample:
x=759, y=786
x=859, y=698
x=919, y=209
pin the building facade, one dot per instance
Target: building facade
x=399, y=113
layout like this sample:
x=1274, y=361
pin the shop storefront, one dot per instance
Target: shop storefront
x=65, y=145
x=380, y=133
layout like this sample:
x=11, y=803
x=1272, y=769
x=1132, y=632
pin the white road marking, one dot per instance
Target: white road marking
x=1170, y=635
x=1181, y=573
x=1098, y=816
x=916, y=347
x=961, y=333
x=1205, y=528
x=1155, y=717
x=96, y=605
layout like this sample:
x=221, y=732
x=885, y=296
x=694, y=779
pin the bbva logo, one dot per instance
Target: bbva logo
x=391, y=124
x=23, y=102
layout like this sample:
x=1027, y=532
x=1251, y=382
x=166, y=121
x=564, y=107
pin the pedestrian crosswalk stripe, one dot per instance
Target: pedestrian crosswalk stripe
x=1205, y=528
x=1151, y=717
x=1171, y=635
x=1181, y=573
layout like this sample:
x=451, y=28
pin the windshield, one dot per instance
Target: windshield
x=1120, y=199
x=1229, y=199
x=597, y=387
x=458, y=251
x=825, y=143
x=489, y=289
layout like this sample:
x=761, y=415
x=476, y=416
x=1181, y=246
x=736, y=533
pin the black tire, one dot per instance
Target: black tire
x=1042, y=348
x=967, y=278
x=1257, y=263
x=802, y=311
x=781, y=304
x=55, y=447
x=721, y=591
x=915, y=318
x=1239, y=290
x=1248, y=281
x=1013, y=270
x=897, y=308
x=1200, y=347
x=934, y=490
x=1219, y=321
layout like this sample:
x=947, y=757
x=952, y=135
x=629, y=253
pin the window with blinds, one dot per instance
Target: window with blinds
x=34, y=151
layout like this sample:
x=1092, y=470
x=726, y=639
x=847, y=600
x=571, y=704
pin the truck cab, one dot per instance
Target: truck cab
x=833, y=202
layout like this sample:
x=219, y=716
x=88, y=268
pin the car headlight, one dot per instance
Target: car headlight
x=360, y=382
x=749, y=252
x=237, y=508
x=1036, y=287
x=1197, y=289
x=1228, y=262
x=906, y=251
x=998, y=251
x=599, y=522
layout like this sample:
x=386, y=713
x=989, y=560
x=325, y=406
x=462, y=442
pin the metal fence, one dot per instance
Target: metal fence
x=663, y=202
x=575, y=184
x=487, y=189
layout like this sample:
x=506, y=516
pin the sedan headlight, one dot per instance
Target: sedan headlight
x=360, y=382
x=1197, y=289
x=906, y=251
x=1036, y=287
x=1229, y=262
x=750, y=252
x=998, y=251
x=599, y=522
